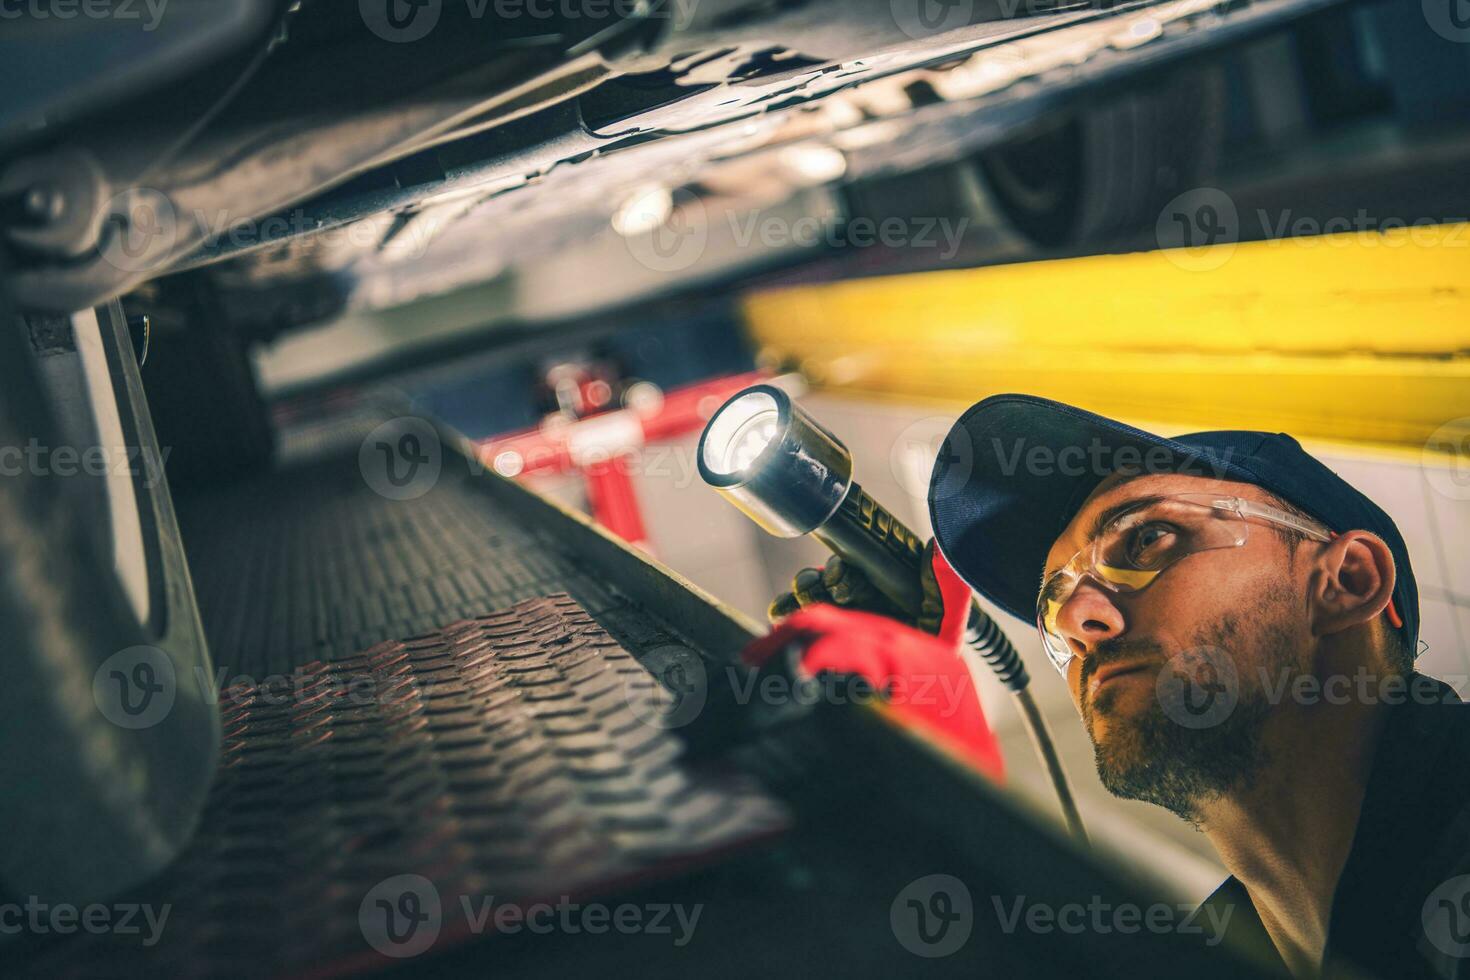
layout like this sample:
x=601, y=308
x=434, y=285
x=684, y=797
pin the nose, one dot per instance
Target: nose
x=1088, y=617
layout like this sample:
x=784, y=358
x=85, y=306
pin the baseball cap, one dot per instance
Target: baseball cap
x=1015, y=469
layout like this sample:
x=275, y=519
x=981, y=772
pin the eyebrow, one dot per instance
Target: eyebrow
x=1106, y=516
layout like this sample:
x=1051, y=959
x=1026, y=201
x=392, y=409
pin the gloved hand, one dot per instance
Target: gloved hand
x=927, y=683
x=843, y=584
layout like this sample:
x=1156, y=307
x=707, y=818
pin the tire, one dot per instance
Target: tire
x=104, y=785
x=1105, y=172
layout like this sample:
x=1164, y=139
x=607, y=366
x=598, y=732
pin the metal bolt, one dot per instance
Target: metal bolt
x=43, y=203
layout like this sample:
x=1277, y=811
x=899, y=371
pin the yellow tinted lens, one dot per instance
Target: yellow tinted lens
x=1126, y=578
x=1132, y=551
x=1143, y=542
x=1049, y=610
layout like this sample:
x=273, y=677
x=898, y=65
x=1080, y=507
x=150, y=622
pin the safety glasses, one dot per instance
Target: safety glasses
x=1138, y=544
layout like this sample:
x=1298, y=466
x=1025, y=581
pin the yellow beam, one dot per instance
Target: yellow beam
x=1352, y=337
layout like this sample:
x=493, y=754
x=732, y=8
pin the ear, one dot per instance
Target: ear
x=1353, y=582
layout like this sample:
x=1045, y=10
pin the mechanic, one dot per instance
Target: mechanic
x=1237, y=627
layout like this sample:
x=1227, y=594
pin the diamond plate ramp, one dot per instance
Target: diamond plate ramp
x=518, y=755
x=309, y=563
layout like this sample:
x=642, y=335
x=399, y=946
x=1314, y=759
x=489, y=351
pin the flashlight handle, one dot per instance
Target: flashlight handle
x=891, y=556
x=872, y=539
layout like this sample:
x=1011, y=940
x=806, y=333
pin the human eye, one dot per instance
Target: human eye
x=1148, y=544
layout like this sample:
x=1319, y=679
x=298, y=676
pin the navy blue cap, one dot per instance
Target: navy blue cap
x=1015, y=469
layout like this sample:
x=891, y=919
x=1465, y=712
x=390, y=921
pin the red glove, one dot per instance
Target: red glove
x=928, y=685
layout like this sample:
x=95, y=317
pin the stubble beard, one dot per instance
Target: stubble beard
x=1155, y=759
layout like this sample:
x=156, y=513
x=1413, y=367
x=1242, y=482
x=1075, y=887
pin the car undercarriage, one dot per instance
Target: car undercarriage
x=387, y=702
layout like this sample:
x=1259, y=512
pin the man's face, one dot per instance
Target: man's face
x=1171, y=679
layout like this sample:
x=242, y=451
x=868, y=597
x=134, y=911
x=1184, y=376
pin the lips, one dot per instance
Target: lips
x=1112, y=672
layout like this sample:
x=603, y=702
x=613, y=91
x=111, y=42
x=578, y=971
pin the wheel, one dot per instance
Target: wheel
x=1106, y=171
x=109, y=732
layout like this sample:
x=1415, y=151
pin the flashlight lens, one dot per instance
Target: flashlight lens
x=773, y=461
x=752, y=437
x=740, y=433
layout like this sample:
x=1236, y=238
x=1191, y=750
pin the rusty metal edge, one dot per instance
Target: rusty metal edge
x=712, y=626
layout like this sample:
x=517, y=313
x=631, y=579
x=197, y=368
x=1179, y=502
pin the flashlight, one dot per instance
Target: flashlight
x=789, y=474
x=784, y=470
